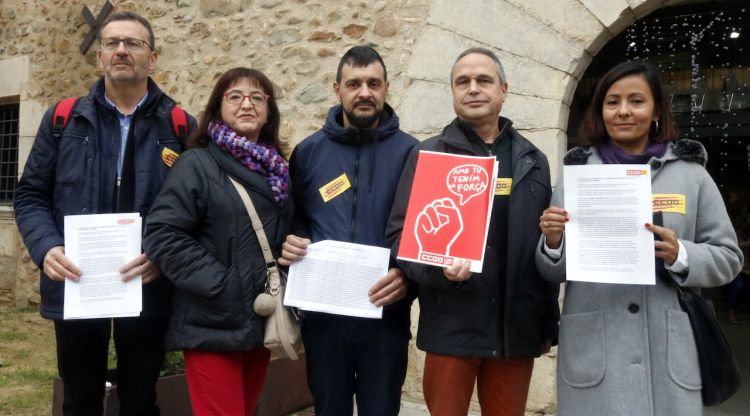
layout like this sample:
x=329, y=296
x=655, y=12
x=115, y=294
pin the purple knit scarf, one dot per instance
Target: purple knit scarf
x=258, y=157
x=611, y=154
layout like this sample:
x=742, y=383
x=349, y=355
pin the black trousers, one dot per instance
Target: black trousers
x=82, y=363
x=360, y=357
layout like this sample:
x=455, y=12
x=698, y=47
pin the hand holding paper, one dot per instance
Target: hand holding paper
x=552, y=223
x=140, y=266
x=389, y=289
x=293, y=249
x=58, y=267
x=667, y=247
x=459, y=271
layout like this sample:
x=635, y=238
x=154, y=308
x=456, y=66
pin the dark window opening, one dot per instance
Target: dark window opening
x=703, y=52
x=8, y=152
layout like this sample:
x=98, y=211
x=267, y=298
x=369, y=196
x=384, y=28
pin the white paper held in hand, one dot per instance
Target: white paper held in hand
x=334, y=277
x=100, y=245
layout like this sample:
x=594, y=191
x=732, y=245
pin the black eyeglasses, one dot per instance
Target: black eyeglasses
x=131, y=44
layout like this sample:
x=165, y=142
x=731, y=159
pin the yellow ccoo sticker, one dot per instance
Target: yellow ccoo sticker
x=169, y=156
x=668, y=203
x=334, y=188
x=636, y=172
x=503, y=186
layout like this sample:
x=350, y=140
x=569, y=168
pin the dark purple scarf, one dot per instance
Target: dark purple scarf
x=258, y=157
x=611, y=154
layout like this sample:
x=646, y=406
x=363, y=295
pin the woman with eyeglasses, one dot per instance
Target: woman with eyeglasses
x=200, y=234
x=629, y=349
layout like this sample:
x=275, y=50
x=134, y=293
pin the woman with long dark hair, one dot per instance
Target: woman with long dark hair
x=200, y=234
x=629, y=349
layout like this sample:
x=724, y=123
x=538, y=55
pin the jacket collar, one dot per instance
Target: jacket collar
x=334, y=127
x=96, y=95
x=683, y=149
x=689, y=150
x=238, y=171
x=459, y=135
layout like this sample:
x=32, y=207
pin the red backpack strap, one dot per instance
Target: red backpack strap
x=61, y=115
x=179, y=122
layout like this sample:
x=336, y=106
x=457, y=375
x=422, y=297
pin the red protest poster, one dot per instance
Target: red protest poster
x=449, y=207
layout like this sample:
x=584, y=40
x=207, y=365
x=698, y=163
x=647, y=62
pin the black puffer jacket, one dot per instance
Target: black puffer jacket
x=199, y=233
x=464, y=319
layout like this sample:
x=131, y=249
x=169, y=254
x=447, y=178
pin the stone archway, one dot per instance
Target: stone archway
x=544, y=46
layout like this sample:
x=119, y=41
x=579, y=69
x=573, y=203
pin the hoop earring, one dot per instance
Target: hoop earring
x=656, y=131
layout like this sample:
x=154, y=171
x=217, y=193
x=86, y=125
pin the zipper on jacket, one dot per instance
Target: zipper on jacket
x=355, y=180
x=372, y=162
x=118, y=180
x=499, y=134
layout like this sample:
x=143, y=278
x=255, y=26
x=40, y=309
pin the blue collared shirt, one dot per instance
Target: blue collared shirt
x=125, y=121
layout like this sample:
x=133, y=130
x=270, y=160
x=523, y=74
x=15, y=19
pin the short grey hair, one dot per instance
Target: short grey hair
x=482, y=51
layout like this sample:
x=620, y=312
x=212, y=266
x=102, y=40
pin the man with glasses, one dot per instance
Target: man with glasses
x=345, y=176
x=112, y=156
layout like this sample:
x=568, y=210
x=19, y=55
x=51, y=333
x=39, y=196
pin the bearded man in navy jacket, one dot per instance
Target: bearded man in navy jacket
x=358, y=155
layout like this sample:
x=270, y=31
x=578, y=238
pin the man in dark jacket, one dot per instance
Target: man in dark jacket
x=344, y=177
x=112, y=156
x=489, y=326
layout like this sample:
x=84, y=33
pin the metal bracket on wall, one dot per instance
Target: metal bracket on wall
x=94, y=23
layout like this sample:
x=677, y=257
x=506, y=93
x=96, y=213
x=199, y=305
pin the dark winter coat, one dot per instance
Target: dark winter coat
x=63, y=177
x=464, y=319
x=200, y=234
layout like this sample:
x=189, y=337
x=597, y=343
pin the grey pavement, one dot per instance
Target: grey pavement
x=413, y=409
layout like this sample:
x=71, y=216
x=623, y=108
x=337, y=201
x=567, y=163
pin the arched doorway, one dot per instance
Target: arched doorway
x=703, y=51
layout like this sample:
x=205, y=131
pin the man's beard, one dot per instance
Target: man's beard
x=363, y=121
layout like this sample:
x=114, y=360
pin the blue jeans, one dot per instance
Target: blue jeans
x=349, y=356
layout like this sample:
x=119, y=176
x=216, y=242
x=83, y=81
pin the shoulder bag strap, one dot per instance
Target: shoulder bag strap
x=273, y=284
x=273, y=275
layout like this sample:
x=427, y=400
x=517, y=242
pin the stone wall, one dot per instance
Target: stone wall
x=545, y=46
x=297, y=43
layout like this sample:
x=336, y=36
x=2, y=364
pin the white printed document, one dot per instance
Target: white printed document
x=99, y=245
x=334, y=277
x=606, y=240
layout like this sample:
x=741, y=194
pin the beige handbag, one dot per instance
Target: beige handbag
x=283, y=336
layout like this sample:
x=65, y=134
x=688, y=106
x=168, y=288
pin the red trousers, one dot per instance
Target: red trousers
x=225, y=383
x=503, y=385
